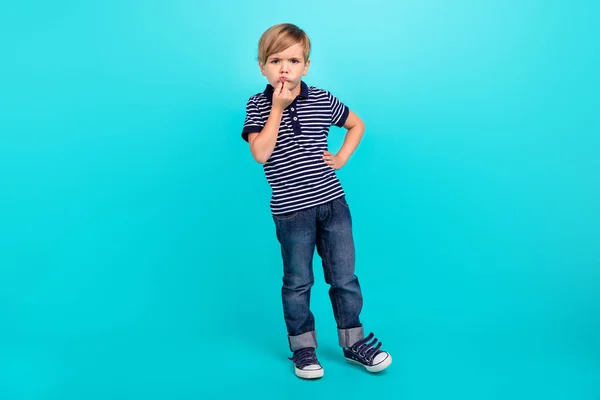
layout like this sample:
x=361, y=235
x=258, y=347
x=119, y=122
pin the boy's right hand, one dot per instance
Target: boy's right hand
x=282, y=96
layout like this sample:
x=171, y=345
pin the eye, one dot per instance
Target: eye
x=295, y=61
x=274, y=61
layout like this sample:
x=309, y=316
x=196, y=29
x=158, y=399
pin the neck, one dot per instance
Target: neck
x=297, y=90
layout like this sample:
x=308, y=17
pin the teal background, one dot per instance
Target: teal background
x=138, y=258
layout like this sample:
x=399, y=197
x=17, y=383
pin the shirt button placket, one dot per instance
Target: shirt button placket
x=295, y=122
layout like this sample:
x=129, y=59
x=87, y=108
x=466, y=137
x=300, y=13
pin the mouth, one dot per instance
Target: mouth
x=283, y=79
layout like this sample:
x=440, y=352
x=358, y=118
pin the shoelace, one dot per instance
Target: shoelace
x=365, y=349
x=304, y=357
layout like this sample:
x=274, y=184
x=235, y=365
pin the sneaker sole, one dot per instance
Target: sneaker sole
x=375, y=368
x=309, y=374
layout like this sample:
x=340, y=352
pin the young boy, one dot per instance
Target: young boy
x=287, y=127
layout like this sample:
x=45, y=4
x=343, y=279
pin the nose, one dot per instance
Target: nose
x=283, y=67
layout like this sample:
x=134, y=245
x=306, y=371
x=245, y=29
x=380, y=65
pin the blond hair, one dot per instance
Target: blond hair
x=280, y=37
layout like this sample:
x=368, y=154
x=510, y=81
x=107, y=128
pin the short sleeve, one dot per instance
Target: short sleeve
x=254, y=120
x=339, y=111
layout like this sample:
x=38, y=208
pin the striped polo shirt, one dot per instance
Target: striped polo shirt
x=296, y=171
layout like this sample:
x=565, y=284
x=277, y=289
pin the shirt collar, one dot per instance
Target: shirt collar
x=303, y=91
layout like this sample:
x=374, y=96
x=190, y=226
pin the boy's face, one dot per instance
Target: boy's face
x=288, y=66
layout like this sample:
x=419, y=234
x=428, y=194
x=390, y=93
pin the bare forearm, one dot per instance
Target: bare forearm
x=351, y=141
x=264, y=143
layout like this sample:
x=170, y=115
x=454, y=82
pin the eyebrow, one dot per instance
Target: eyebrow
x=290, y=58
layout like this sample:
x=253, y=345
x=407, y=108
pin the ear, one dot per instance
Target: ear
x=306, y=67
x=262, y=68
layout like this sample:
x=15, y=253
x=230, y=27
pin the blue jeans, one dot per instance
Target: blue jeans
x=328, y=227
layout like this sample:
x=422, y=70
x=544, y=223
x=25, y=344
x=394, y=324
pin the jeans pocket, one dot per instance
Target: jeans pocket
x=342, y=201
x=286, y=216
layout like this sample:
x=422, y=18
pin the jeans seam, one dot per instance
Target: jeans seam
x=330, y=272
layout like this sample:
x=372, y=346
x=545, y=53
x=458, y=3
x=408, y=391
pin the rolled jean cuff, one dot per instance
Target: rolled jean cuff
x=308, y=339
x=348, y=337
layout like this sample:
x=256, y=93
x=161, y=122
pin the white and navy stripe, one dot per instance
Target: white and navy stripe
x=296, y=171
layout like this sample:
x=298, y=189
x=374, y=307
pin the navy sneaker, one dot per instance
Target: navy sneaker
x=306, y=364
x=368, y=354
